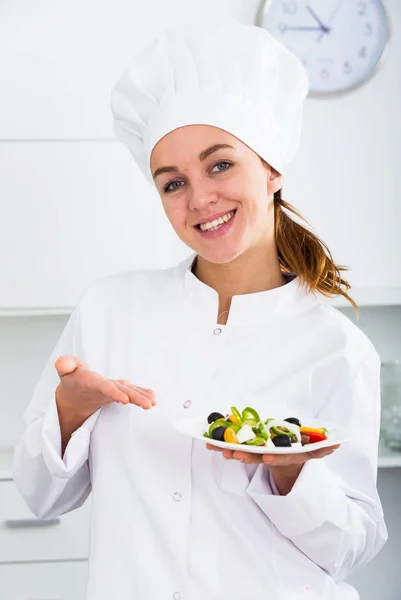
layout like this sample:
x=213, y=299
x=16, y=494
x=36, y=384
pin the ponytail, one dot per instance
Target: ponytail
x=303, y=253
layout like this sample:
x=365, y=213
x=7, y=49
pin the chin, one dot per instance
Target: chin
x=219, y=258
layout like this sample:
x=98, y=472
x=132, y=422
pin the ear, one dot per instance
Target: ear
x=274, y=181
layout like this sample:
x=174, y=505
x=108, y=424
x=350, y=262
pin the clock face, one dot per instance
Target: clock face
x=340, y=42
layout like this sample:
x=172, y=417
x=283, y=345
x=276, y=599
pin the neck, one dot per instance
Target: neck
x=254, y=271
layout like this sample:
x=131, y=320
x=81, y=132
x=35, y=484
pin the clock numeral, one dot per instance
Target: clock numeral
x=367, y=29
x=362, y=8
x=362, y=52
x=289, y=8
x=347, y=67
x=324, y=73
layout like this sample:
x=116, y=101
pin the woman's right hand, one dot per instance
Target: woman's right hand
x=83, y=392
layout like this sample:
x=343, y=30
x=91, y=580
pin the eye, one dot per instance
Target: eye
x=226, y=165
x=167, y=188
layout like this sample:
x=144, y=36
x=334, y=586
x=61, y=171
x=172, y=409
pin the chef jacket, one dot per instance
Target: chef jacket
x=172, y=520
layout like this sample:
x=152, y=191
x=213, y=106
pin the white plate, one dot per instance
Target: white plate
x=197, y=426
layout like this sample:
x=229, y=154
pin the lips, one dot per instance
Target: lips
x=214, y=217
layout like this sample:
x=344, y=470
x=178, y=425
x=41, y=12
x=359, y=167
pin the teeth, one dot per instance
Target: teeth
x=216, y=222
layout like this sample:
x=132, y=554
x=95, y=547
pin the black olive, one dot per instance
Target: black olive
x=293, y=420
x=218, y=433
x=280, y=440
x=214, y=416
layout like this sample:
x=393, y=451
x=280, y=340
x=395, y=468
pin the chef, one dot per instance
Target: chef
x=212, y=115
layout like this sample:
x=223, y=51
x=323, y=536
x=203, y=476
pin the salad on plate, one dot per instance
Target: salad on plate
x=248, y=428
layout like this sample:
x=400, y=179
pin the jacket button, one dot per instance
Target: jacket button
x=187, y=403
x=177, y=496
x=177, y=596
x=217, y=331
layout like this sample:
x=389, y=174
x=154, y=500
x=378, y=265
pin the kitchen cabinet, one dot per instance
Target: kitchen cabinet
x=62, y=89
x=75, y=206
x=84, y=210
x=343, y=181
x=80, y=211
x=44, y=581
x=40, y=559
x=24, y=537
x=55, y=89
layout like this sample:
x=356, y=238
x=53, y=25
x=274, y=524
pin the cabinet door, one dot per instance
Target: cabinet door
x=61, y=59
x=78, y=212
x=24, y=537
x=346, y=182
x=44, y=581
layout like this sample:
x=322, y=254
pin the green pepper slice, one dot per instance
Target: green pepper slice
x=250, y=413
x=237, y=413
x=290, y=434
x=257, y=441
x=234, y=426
x=218, y=423
x=263, y=430
x=250, y=422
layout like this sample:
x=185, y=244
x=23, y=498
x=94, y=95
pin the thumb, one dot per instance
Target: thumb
x=67, y=364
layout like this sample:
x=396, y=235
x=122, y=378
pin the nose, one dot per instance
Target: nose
x=202, y=194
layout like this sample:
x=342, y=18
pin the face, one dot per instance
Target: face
x=201, y=171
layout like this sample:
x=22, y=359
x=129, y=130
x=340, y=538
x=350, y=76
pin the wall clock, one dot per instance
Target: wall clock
x=340, y=42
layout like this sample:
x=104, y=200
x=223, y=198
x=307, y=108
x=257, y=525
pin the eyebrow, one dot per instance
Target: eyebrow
x=202, y=156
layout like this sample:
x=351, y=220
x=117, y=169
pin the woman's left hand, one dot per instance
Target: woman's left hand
x=276, y=461
x=285, y=468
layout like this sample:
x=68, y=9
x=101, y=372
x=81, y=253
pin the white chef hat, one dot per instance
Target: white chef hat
x=235, y=77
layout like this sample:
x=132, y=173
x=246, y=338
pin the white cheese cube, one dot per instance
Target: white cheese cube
x=245, y=434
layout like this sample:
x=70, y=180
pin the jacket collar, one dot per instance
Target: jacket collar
x=246, y=309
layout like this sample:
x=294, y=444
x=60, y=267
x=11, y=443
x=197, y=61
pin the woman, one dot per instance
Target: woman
x=212, y=116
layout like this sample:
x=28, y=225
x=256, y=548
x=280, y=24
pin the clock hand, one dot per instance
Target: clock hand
x=329, y=22
x=286, y=28
x=324, y=28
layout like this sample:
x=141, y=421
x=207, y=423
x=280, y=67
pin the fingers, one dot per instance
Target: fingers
x=136, y=395
x=275, y=460
x=245, y=457
x=113, y=392
x=322, y=452
x=211, y=447
x=145, y=391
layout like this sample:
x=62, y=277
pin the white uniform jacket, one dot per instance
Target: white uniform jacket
x=172, y=520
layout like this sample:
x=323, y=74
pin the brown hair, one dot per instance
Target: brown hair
x=300, y=251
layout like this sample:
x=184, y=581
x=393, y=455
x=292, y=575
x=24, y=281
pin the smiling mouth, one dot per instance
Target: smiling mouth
x=198, y=226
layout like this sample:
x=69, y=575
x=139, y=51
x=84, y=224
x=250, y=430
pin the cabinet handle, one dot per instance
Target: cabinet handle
x=19, y=523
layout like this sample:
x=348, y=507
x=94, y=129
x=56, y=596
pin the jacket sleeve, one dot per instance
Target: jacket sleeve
x=333, y=513
x=52, y=485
